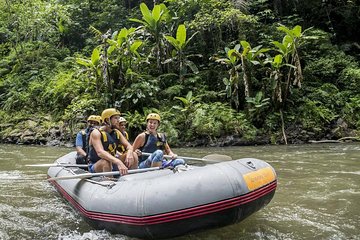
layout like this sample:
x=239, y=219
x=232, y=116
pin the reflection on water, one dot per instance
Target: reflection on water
x=317, y=197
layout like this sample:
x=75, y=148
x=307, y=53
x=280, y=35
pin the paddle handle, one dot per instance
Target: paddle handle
x=89, y=175
x=57, y=165
x=186, y=158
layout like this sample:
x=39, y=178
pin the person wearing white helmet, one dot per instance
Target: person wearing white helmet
x=121, y=126
x=155, y=143
x=81, y=144
x=121, y=150
x=103, y=146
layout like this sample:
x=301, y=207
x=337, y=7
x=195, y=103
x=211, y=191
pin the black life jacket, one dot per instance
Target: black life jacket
x=151, y=145
x=110, y=142
x=121, y=147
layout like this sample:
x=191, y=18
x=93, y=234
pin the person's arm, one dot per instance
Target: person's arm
x=169, y=152
x=129, y=160
x=95, y=139
x=138, y=143
x=79, y=144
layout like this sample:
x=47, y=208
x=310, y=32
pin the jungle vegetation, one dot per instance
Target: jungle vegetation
x=284, y=70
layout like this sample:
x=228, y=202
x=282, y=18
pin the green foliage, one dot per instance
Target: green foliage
x=217, y=119
x=141, y=92
x=179, y=43
x=136, y=122
x=327, y=68
x=188, y=102
x=64, y=88
x=137, y=69
x=315, y=116
x=352, y=112
x=258, y=106
x=349, y=79
x=82, y=106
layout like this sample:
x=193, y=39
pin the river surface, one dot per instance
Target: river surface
x=318, y=195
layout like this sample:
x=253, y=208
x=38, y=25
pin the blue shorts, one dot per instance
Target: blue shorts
x=91, y=168
x=158, y=156
x=155, y=157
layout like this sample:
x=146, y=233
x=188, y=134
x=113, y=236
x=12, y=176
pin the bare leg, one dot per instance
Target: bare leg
x=102, y=166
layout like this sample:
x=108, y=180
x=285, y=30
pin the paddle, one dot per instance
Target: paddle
x=57, y=165
x=89, y=175
x=208, y=158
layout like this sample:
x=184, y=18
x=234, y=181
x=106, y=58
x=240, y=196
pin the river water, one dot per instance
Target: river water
x=318, y=195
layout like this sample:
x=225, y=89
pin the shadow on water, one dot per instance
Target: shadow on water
x=317, y=197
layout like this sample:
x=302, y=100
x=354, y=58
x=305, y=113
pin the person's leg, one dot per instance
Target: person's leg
x=174, y=162
x=102, y=166
x=134, y=164
x=146, y=163
x=154, y=160
x=157, y=158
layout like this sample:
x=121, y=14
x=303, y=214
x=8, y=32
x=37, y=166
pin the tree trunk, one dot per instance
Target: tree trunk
x=283, y=126
x=246, y=77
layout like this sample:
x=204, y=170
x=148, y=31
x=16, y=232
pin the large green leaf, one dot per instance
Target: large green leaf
x=138, y=21
x=173, y=42
x=281, y=47
x=245, y=44
x=147, y=16
x=278, y=60
x=288, y=42
x=297, y=31
x=156, y=13
x=232, y=56
x=123, y=33
x=183, y=100
x=181, y=35
x=192, y=66
x=135, y=46
x=84, y=62
x=95, y=56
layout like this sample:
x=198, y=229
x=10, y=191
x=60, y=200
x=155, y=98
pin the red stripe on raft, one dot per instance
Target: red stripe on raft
x=175, y=215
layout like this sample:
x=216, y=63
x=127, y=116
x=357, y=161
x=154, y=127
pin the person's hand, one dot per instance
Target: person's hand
x=174, y=156
x=122, y=168
x=129, y=160
x=138, y=152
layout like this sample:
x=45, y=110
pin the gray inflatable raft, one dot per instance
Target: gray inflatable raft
x=168, y=203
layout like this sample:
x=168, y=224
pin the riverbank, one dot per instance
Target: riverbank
x=46, y=132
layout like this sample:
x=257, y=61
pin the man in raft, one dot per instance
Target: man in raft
x=82, y=136
x=104, y=142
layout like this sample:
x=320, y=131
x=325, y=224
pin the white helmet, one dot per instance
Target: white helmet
x=121, y=119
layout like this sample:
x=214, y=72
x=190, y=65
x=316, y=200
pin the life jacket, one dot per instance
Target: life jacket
x=121, y=147
x=87, y=138
x=153, y=143
x=110, y=142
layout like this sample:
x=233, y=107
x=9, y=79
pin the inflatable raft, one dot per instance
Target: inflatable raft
x=167, y=203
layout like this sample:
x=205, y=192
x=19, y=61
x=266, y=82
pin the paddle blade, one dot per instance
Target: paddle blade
x=218, y=157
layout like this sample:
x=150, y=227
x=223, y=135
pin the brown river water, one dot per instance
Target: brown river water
x=318, y=195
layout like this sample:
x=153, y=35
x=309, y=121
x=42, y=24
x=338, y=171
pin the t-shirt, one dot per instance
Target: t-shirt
x=79, y=139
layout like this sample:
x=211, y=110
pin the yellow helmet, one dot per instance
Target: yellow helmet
x=153, y=116
x=108, y=113
x=121, y=119
x=95, y=118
